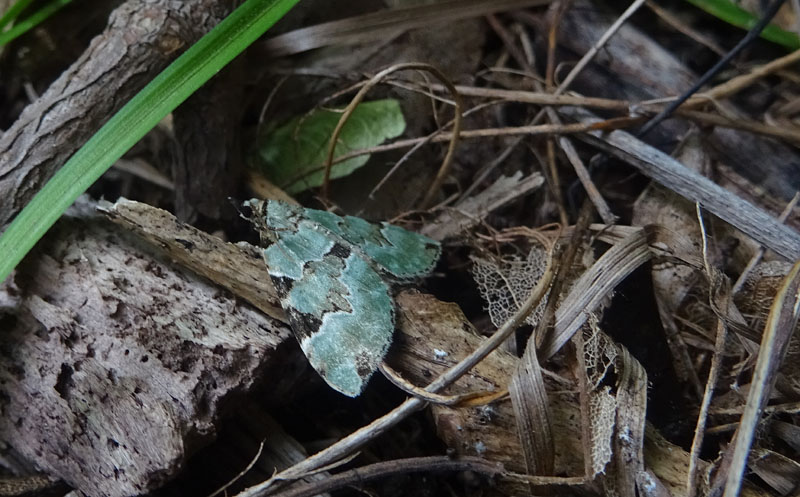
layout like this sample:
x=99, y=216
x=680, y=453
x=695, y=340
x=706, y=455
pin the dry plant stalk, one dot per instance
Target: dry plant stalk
x=783, y=318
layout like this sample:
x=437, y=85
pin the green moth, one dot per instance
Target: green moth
x=331, y=274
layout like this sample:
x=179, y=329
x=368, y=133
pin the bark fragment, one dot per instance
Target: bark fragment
x=114, y=365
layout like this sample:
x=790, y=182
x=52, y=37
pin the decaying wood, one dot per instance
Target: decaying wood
x=488, y=431
x=142, y=37
x=115, y=364
x=238, y=268
x=128, y=359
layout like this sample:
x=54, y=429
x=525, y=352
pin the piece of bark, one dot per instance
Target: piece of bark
x=115, y=365
x=240, y=268
x=209, y=167
x=142, y=37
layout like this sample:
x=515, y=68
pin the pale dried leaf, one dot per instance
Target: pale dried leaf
x=600, y=353
x=505, y=283
x=602, y=417
x=777, y=471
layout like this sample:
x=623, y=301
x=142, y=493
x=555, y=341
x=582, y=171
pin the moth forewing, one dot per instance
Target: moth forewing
x=329, y=272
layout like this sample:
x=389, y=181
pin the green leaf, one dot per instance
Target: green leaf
x=737, y=16
x=292, y=156
x=29, y=22
x=174, y=85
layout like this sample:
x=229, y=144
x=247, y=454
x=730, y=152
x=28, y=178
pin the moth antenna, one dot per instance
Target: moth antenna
x=237, y=205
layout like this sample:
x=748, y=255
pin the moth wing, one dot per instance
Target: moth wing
x=402, y=253
x=339, y=308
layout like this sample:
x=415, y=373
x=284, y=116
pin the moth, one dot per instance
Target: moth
x=332, y=275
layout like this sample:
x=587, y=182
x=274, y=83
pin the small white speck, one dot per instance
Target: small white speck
x=487, y=413
x=625, y=436
x=646, y=483
x=440, y=354
x=480, y=448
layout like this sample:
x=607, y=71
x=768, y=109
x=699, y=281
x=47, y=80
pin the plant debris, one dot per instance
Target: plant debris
x=615, y=311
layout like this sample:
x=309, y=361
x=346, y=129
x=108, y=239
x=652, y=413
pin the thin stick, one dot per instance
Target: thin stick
x=477, y=398
x=713, y=373
x=242, y=473
x=549, y=79
x=542, y=129
x=722, y=62
x=583, y=174
x=789, y=133
x=358, y=476
x=739, y=83
x=589, y=55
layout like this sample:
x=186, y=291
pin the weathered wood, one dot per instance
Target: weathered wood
x=633, y=66
x=80, y=400
x=239, y=268
x=142, y=37
x=114, y=365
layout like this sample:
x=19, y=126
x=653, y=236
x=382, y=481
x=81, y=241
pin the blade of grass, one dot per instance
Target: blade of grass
x=13, y=12
x=737, y=16
x=204, y=59
x=31, y=21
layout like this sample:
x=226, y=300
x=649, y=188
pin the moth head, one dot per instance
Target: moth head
x=255, y=211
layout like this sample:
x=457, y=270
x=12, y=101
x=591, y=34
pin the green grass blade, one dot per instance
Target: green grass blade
x=30, y=22
x=737, y=16
x=13, y=12
x=204, y=59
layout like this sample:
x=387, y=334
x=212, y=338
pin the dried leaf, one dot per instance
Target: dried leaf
x=505, y=283
x=529, y=399
x=593, y=286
